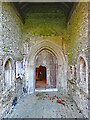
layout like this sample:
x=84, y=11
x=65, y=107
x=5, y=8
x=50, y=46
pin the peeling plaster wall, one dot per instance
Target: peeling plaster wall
x=77, y=46
x=10, y=47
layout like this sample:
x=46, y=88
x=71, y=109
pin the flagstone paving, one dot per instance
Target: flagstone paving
x=46, y=105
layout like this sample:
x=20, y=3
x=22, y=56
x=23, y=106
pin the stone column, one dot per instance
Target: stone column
x=59, y=77
x=31, y=78
x=62, y=80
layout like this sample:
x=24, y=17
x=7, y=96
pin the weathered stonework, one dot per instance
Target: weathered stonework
x=29, y=65
x=67, y=42
x=78, y=42
x=10, y=48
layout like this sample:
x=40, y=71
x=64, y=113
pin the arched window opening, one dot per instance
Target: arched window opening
x=82, y=74
x=8, y=73
x=82, y=70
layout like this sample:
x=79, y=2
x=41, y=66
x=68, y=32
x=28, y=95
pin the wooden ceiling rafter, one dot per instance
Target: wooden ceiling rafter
x=71, y=11
x=67, y=6
x=17, y=12
x=26, y=9
x=22, y=8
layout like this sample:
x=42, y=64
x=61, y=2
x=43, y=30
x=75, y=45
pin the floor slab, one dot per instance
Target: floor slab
x=46, y=105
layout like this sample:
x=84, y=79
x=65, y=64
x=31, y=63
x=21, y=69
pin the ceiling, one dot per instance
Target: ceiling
x=23, y=7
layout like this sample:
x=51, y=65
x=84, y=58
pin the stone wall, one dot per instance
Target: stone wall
x=88, y=59
x=11, y=28
x=10, y=49
x=43, y=29
x=1, y=62
x=77, y=47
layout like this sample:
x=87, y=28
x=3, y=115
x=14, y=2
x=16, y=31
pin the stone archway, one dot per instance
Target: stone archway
x=30, y=65
x=49, y=60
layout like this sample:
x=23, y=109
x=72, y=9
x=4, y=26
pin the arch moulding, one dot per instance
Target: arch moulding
x=30, y=65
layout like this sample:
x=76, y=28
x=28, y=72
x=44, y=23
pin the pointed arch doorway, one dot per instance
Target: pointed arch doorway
x=56, y=80
x=46, y=70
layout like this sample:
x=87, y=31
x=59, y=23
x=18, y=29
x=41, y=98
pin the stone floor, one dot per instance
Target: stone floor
x=46, y=105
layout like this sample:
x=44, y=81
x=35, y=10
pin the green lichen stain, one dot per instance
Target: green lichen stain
x=45, y=21
x=77, y=36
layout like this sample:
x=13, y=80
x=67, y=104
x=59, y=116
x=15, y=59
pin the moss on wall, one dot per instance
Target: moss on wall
x=77, y=45
x=45, y=21
x=78, y=33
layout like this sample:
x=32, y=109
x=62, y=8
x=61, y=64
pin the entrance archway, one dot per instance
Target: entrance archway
x=61, y=71
x=48, y=59
x=40, y=77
